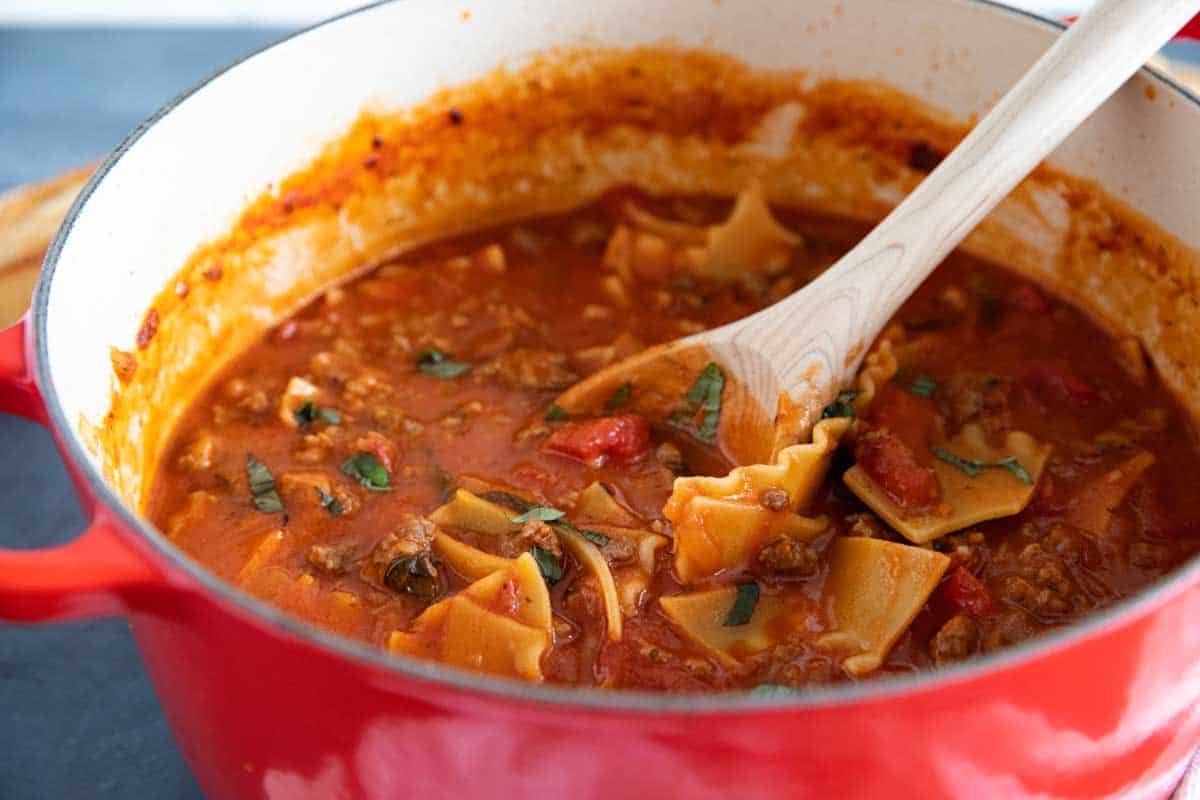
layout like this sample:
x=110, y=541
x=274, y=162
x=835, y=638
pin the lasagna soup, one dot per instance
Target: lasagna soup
x=390, y=463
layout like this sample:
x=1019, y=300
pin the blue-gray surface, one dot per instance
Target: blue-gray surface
x=78, y=718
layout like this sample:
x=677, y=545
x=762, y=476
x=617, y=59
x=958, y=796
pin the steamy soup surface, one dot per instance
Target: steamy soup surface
x=389, y=463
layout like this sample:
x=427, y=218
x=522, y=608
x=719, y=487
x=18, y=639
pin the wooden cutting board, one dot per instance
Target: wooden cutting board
x=29, y=216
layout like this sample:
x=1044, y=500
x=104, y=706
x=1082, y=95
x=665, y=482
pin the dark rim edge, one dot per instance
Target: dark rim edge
x=637, y=702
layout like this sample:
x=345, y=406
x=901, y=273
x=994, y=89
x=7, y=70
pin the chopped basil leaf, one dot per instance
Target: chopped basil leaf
x=437, y=364
x=268, y=502
x=922, y=386
x=530, y=511
x=548, y=564
x=842, y=406
x=1014, y=466
x=704, y=396
x=619, y=398
x=305, y=414
x=261, y=479
x=262, y=486
x=309, y=412
x=773, y=690
x=329, y=502
x=539, y=512
x=367, y=470
x=969, y=466
x=973, y=466
x=595, y=537
x=554, y=413
x=743, y=606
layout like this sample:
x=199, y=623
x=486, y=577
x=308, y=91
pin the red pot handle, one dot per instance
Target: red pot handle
x=1191, y=30
x=18, y=393
x=90, y=577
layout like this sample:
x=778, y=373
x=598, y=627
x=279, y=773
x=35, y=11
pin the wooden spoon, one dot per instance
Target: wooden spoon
x=787, y=361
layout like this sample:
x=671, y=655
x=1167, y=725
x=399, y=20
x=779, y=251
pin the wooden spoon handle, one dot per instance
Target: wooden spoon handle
x=817, y=337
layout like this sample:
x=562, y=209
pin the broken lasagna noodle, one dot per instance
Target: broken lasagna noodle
x=389, y=463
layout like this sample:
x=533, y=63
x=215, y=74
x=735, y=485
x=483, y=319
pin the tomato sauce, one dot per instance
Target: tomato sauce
x=438, y=371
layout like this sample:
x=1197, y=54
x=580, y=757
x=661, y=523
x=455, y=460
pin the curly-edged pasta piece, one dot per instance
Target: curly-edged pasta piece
x=978, y=482
x=721, y=523
x=472, y=512
x=470, y=562
x=500, y=624
x=469, y=511
x=750, y=240
x=874, y=590
x=633, y=553
x=592, y=559
x=716, y=535
x=704, y=618
x=596, y=504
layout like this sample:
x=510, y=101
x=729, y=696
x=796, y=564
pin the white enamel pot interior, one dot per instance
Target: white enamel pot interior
x=184, y=176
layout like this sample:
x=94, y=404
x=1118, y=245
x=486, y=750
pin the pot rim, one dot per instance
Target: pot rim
x=602, y=700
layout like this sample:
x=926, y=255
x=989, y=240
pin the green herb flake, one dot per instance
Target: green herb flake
x=704, y=398
x=1014, y=466
x=305, y=413
x=969, y=466
x=309, y=412
x=619, y=398
x=554, y=413
x=329, y=502
x=973, y=467
x=743, y=605
x=262, y=486
x=438, y=365
x=539, y=512
x=595, y=537
x=367, y=470
x=922, y=386
x=842, y=406
x=548, y=564
x=268, y=503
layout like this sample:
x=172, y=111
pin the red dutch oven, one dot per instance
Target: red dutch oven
x=265, y=706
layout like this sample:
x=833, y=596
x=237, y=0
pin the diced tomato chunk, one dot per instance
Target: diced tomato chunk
x=966, y=593
x=622, y=438
x=894, y=467
x=911, y=418
x=1027, y=299
x=1054, y=381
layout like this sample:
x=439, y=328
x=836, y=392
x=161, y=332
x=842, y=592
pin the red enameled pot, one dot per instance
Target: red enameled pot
x=265, y=706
